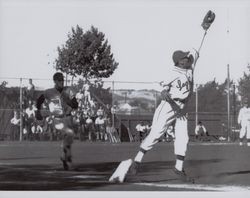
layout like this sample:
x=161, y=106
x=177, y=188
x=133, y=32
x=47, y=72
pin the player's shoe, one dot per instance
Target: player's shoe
x=241, y=143
x=65, y=164
x=183, y=176
x=134, y=168
x=248, y=144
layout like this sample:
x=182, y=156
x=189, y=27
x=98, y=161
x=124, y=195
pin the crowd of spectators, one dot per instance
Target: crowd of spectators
x=92, y=121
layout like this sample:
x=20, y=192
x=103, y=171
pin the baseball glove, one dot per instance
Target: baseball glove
x=208, y=20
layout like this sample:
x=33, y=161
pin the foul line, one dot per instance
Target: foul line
x=199, y=187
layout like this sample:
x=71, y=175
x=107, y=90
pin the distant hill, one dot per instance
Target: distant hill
x=145, y=100
x=131, y=94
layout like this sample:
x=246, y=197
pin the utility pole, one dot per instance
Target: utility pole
x=196, y=105
x=228, y=104
x=112, y=108
x=21, y=110
x=228, y=82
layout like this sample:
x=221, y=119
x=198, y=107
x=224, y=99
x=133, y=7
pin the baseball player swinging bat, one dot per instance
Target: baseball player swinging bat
x=170, y=112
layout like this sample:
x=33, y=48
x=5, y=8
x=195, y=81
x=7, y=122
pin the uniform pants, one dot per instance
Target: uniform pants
x=245, y=130
x=164, y=117
x=65, y=126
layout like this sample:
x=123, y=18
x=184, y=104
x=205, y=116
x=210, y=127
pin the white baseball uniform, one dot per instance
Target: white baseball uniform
x=180, y=89
x=244, y=121
x=200, y=129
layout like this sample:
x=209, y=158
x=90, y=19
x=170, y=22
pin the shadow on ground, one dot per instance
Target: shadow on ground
x=82, y=176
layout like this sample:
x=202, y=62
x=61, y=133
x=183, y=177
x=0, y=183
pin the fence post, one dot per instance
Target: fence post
x=155, y=100
x=113, y=113
x=196, y=106
x=21, y=111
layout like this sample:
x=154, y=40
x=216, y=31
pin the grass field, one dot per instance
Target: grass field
x=36, y=166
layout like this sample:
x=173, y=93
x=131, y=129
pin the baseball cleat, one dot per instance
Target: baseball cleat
x=183, y=176
x=241, y=143
x=121, y=171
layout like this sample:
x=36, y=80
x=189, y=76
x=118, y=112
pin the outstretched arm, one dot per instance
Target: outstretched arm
x=196, y=57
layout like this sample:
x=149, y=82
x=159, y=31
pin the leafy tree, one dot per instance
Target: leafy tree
x=3, y=84
x=86, y=54
x=212, y=97
x=244, y=85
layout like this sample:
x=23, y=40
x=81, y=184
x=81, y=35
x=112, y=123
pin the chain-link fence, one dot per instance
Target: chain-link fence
x=123, y=104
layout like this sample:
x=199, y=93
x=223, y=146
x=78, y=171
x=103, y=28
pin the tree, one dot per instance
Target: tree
x=212, y=97
x=86, y=54
x=244, y=85
x=3, y=84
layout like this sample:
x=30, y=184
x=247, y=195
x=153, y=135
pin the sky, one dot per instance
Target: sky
x=143, y=34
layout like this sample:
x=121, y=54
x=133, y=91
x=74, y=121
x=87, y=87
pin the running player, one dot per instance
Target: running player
x=61, y=101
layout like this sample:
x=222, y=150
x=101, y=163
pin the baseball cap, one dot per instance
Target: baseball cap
x=178, y=55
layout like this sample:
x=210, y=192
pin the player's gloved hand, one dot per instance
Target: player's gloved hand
x=38, y=115
x=196, y=56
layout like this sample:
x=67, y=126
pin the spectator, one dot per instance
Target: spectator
x=200, y=132
x=114, y=109
x=25, y=134
x=87, y=97
x=15, y=126
x=100, y=128
x=30, y=90
x=100, y=111
x=111, y=132
x=29, y=119
x=108, y=111
x=37, y=131
x=89, y=126
x=141, y=129
x=80, y=97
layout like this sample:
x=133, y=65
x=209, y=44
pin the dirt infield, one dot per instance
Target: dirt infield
x=36, y=166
